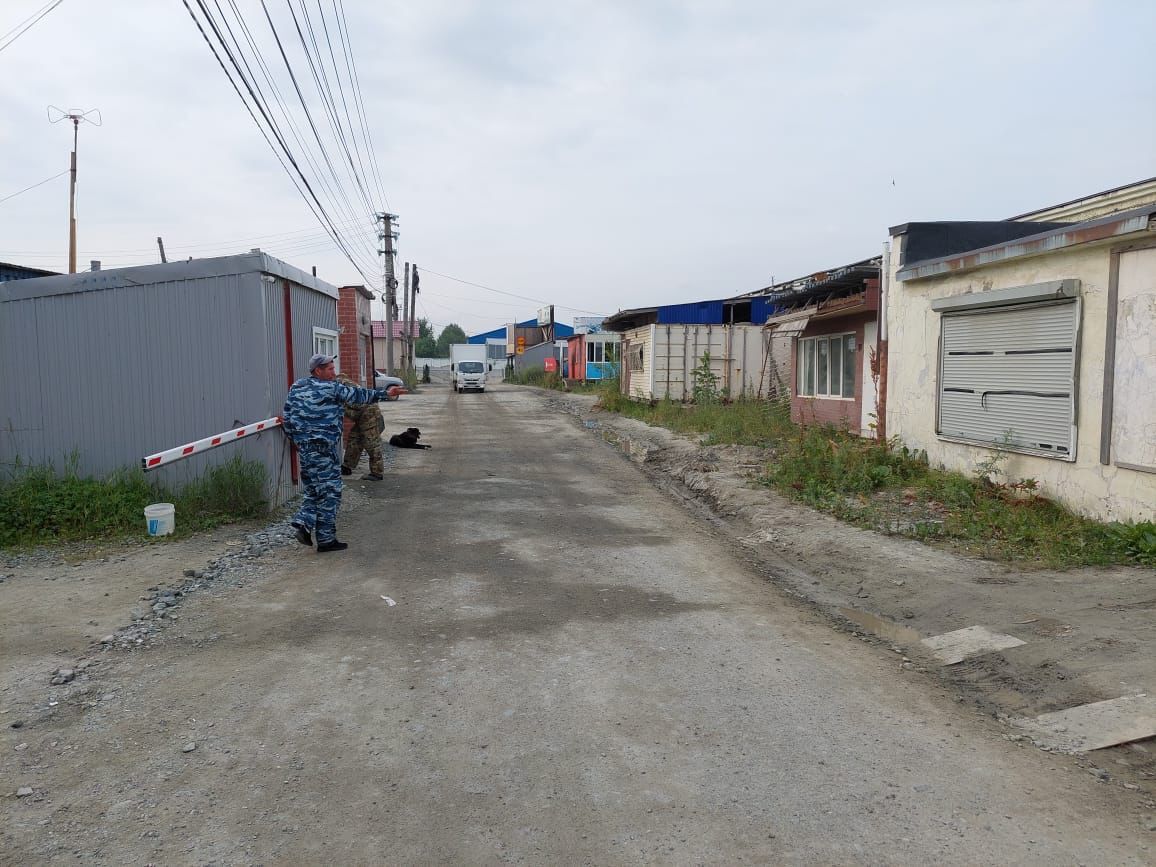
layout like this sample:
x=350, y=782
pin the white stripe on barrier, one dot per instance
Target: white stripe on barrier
x=151, y=462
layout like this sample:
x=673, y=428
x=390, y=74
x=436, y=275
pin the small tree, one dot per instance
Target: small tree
x=452, y=333
x=705, y=382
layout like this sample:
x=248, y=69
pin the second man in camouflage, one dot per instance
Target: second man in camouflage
x=364, y=436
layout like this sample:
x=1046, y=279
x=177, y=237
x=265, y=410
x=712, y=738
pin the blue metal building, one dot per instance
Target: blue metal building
x=560, y=330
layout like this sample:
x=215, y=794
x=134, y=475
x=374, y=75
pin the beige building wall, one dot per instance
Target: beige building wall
x=638, y=362
x=1085, y=485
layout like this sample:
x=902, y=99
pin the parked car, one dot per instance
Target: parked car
x=381, y=380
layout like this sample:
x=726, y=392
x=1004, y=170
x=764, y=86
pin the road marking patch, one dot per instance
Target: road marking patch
x=1094, y=726
x=952, y=647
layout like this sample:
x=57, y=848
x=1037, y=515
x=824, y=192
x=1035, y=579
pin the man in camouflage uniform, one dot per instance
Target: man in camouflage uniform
x=312, y=420
x=364, y=436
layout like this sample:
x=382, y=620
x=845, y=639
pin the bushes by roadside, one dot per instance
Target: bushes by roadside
x=536, y=376
x=886, y=487
x=39, y=506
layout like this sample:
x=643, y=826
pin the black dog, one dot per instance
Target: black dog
x=408, y=439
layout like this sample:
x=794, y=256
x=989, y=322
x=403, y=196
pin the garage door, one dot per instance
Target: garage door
x=1007, y=376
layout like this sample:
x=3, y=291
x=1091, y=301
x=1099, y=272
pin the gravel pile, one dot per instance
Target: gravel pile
x=229, y=570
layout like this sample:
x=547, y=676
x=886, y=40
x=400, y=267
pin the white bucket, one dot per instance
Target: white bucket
x=161, y=518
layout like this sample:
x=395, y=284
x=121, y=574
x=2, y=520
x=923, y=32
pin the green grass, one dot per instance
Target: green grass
x=886, y=487
x=537, y=376
x=40, y=506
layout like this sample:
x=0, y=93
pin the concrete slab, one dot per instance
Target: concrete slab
x=1094, y=726
x=952, y=647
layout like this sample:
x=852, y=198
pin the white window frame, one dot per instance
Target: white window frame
x=325, y=342
x=827, y=389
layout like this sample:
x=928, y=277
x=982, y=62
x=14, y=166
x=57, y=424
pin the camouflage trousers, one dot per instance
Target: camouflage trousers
x=321, y=489
x=365, y=436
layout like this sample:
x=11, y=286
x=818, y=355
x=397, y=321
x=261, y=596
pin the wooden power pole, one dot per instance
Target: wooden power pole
x=406, y=360
x=388, y=236
x=76, y=117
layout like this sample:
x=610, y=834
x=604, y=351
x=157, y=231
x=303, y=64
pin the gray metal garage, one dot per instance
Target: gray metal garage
x=104, y=367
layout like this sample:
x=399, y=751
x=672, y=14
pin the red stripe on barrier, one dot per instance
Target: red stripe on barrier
x=160, y=459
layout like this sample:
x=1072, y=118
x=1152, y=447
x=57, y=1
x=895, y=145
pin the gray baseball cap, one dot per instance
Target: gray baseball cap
x=317, y=361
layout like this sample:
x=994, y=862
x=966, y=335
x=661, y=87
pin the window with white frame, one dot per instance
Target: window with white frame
x=594, y=352
x=826, y=366
x=325, y=343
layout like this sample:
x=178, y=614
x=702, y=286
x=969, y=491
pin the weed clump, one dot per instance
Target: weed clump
x=537, y=376
x=39, y=505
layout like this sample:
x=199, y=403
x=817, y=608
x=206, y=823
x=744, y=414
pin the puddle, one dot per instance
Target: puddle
x=879, y=626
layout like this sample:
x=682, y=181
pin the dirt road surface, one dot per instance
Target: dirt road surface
x=576, y=671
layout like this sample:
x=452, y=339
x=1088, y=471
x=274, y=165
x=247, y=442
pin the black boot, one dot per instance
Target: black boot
x=326, y=547
x=345, y=471
x=301, y=534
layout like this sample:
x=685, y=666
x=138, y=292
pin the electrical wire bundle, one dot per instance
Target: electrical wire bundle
x=320, y=133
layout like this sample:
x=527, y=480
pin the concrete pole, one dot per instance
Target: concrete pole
x=72, y=200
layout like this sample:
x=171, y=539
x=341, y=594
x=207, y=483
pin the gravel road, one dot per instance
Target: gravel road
x=575, y=671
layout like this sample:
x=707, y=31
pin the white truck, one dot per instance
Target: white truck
x=468, y=366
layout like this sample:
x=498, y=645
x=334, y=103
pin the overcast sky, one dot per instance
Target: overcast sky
x=594, y=155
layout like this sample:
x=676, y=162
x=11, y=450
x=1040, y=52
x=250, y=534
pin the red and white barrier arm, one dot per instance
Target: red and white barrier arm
x=151, y=462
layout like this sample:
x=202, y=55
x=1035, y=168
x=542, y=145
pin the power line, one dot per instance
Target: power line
x=315, y=205
x=427, y=269
x=297, y=86
x=475, y=300
x=34, y=186
x=321, y=79
x=27, y=24
x=351, y=64
x=348, y=211
x=311, y=199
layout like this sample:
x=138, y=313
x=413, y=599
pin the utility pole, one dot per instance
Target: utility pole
x=406, y=360
x=76, y=116
x=72, y=199
x=413, y=287
x=387, y=236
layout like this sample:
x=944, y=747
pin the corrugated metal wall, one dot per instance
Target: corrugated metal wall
x=310, y=309
x=534, y=356
x=109, y=375
x=695, y=313
x=762, y=309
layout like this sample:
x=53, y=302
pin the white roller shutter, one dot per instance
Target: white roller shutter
x=1007, y=375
